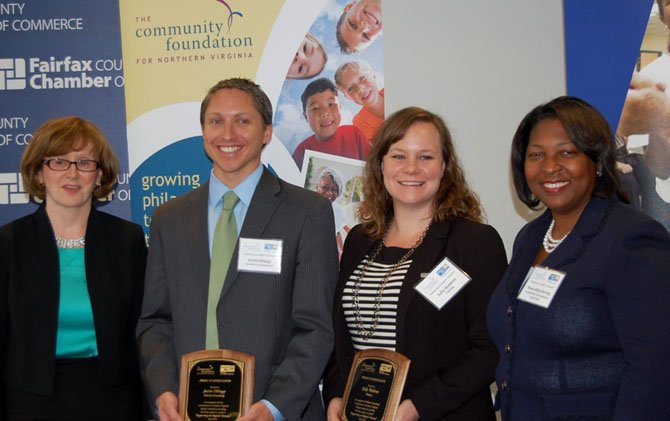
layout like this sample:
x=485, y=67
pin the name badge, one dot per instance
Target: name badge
x=442, y=283
x=259, y=255
x=540, y=286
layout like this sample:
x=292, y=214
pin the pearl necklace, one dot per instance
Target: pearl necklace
x=548, y=242
x=70, y=243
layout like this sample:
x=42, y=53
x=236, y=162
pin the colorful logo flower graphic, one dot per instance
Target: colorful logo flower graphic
x=231, y=13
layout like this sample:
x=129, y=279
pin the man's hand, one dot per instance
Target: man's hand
x=334, y=409
x=258, y=412
x=647, y=108
x=168, y=407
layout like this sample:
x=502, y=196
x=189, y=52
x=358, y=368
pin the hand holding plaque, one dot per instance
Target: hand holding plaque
x=375, y=384
x=216, y=385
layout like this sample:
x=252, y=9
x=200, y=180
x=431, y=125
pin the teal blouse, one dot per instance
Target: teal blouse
x=75, y=337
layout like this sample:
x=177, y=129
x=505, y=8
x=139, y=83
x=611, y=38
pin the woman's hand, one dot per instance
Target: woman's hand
x=334, y=409
x=406, y=412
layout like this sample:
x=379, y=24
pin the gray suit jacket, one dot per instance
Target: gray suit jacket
x=284, y=320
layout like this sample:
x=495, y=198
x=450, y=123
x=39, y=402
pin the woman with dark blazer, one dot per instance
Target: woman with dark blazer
x=599, y=348
x=71, y=282
x=418, y=210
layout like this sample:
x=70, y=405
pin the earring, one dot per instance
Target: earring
x=599, y=173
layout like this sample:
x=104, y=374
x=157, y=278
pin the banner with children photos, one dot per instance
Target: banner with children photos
x=174, y=52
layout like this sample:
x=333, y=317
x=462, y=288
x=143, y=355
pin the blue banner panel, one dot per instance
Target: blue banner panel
x=170, y=172
x=57, y=59
x=602, y=41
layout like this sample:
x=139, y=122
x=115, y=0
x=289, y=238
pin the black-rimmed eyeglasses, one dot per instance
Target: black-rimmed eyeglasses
x=59, y=164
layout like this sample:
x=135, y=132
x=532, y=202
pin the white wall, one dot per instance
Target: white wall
x=482, y=66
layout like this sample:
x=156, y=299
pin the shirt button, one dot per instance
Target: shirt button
x=509, y=311
x=508, y=348
x=503, y=385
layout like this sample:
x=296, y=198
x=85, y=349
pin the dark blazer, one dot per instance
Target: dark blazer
x=115, y=258
x=284, y=319
x=601, y=350
x=452, y=358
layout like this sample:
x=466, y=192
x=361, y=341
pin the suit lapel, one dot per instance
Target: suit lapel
x=425, y=257
x=194, y=218
x=45, y=274
x=361, y=244
x=527, y=245
x=264, y=203
x=571, y=248
x=96, y=264
x=588, y=225
x=569, y=251
x=349, y=262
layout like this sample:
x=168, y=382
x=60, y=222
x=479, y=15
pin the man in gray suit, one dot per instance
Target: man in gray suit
x=280, y=313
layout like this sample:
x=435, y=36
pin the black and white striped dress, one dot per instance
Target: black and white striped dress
x=384, y=335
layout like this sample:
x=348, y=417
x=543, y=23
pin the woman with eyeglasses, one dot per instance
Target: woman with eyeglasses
x=71, y=283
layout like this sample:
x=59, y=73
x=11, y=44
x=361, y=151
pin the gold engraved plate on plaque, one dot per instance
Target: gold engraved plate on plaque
x=375, y=385
x=216, y=385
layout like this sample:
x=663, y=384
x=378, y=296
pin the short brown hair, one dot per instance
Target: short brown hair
x=260, y=98
x=453, y=198
x=60, y=136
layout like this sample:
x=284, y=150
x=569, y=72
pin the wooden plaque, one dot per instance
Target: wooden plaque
x=375, y=384
x=216, y=385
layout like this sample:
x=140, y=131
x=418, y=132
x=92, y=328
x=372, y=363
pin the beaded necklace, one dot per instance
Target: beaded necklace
x=70, y=243
x=367, y=332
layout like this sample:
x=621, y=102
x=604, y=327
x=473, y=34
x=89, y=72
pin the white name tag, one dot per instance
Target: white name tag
x=540, y=286
x=442, y=283
x=259, y=255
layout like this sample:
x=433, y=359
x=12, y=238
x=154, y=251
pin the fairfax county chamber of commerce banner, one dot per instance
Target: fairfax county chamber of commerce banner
x=58, y=59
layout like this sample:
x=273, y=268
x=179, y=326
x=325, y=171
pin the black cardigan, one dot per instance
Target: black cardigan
x=453, y=361
x=115, y=258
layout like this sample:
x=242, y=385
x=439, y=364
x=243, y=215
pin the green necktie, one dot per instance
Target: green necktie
x=223, y=244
